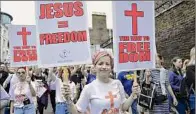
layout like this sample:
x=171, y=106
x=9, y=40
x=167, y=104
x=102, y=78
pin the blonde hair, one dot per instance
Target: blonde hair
x=100, y=54
x=192, y=56
x=192, y=53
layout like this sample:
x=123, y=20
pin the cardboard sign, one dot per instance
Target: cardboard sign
x=63, y=35
x=134, y=35
x=23, y=50
x=40, y=89
x=3, y=94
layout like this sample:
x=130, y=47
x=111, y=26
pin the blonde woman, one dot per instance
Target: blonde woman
x=190, y=80
x=104, y=95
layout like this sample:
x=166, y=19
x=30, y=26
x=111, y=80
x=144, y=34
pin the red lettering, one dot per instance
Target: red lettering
x=144, y=56
x=146, y=46
x=131, y=47
x=136, y=38
x=34, y=55
x=68, y=9
x=42, y=39
x=78, y=7
x=123, y=57
x=42, y=11
x=146, y=38
x=59, y=11
x=124, y=38
x=82, y=36
x=133, y=57
x=66, y=37
x=60, y=37
x=25, y=55
x=139, y=46
x=133, y=52
x=121, y=47
x=63, y=37
x=17, y=47
x=49, y=11
x=16, y=56
x=73, y=36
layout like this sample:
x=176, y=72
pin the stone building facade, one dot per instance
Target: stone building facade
x=4, y=44
x=175, y=31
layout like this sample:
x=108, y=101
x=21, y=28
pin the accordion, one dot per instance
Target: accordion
x=147, y=97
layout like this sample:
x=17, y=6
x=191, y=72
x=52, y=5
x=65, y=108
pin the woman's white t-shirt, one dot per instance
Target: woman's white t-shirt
x=19, y=92
x=59, y=85
x=103, y=98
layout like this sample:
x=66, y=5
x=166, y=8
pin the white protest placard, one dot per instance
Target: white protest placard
x=134, y=35
x=3, y=94
x=62, y=33
x=40, y=89
x=23, y=49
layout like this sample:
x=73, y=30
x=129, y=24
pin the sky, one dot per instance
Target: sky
x=23, y=12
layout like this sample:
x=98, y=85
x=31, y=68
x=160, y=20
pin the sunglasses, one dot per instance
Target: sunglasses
x=20, y=72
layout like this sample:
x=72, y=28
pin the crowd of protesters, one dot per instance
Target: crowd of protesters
x=96, y=89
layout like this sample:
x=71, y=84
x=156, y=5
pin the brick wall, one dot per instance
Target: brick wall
x=175, y=31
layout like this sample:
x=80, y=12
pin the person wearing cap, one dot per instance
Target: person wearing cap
x=104, y=95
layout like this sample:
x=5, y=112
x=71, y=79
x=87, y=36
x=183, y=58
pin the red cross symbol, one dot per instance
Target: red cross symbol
x=24, y=34
x=111, y=97
x=134, y=13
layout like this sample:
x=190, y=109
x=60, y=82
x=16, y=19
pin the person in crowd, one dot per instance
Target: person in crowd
x=190, y=80
x=21, y=94
x=61, y=103
x=3, y=75
x=53, y=73
x=7, y=82
x=45, y=74
x=175, y=79
x=159, y=76
x=78, y=77
x=126, y=78
x=89, y=73
x=40, y=80
x=185, y=63
x=4, y=101
x=104, y=95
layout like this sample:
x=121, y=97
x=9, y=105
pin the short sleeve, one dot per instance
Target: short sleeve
x=84, y=100
x=11, y=92
x=122, y=92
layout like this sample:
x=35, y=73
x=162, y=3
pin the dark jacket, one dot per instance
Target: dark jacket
x=190, y=76
x=175, y=80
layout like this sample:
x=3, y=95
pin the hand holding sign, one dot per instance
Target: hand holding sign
x=136, y=87
x=65, y=75
x=66, y=89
